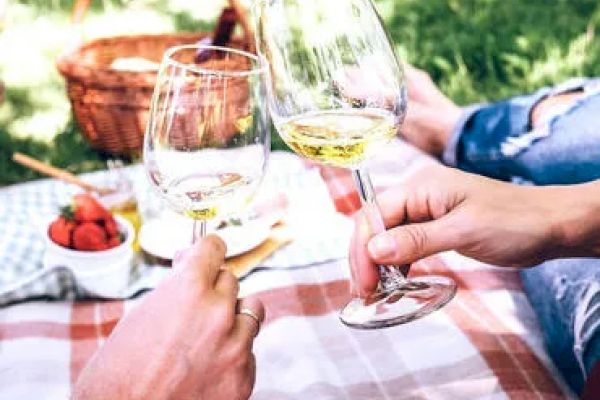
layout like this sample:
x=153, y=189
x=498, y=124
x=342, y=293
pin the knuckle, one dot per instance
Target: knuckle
x=188, y=285
x=417, y=237
x=246, y=387
x=238, y=353
x=243, y=384
x=463, y=233
x=215, y=244
x=255, y=304
x=260, y=309
x=231, y=279
x=222, y=315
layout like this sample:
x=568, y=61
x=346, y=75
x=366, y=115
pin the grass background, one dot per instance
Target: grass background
x=476, y=50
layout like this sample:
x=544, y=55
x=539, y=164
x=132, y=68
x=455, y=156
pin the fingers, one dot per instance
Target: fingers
x=365, y=274
x=409, y=243
x=426, y=195
x=227, y=284
x=392, y=204
x=245, y=387
x=247, y=327
x=203, y=260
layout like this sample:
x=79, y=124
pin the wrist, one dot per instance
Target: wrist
x=449, y=121
x=577, y=220
x=435, y=126
x=460, y=123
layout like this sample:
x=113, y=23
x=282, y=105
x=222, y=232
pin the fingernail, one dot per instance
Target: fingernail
x=382, y=246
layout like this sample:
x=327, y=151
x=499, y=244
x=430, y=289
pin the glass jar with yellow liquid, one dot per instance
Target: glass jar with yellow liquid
x=123, y=201
x=125, y=205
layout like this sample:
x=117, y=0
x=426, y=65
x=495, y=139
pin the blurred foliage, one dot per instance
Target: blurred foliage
x=479, y=50
x=476, y=50
x=68, y=150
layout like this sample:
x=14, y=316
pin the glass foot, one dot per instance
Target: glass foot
x=416, y=298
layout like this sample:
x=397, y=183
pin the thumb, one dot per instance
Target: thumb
x=409, y=243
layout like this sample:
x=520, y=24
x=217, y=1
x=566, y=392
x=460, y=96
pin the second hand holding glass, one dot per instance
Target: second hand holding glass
x=336, y=94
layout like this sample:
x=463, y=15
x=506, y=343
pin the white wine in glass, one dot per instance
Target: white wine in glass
x=208, y=140
x=342, y=138
x=336, y=94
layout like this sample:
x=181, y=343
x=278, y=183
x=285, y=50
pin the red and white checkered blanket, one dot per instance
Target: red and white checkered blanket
x=484, y=345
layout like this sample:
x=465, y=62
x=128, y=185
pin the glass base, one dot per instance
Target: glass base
x=416, y=298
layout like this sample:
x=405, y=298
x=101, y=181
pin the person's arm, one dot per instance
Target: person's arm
x=541, y=137
x=579, y=225
x=184, y=341
x=432, y=119
x=443, y=209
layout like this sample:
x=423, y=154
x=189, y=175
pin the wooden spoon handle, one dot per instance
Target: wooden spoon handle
x=58, y=173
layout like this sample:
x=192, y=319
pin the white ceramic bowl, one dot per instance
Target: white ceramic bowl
x=102, y=273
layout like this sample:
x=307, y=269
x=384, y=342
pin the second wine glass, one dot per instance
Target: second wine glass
x=208, y=140
x=337, y=95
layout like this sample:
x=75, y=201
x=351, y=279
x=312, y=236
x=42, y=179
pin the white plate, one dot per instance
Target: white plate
x=164, y=237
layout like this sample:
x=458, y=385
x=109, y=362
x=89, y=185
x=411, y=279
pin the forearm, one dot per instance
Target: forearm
x=114, y=374
x=576, y=222
x=117, y=371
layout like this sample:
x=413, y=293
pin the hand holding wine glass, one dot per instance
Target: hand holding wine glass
x=336, y=93
x=207, y=141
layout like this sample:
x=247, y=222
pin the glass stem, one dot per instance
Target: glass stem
x=199, y=230
x=391, y=276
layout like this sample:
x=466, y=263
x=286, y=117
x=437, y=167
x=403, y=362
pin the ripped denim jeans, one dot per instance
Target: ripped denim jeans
x=498, y=140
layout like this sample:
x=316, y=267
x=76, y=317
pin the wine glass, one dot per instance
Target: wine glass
x=207, y=141
x=336, y=94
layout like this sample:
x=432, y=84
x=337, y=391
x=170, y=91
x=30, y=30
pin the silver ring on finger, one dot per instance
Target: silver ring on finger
x=248, y=312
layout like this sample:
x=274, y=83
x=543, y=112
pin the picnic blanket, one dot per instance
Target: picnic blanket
x=26, y=210
x=485, y=344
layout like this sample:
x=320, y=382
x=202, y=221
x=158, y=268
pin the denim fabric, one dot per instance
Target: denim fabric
x=566, y=297
x=497, y=140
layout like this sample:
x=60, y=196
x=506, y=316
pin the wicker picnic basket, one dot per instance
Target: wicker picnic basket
x=111, y=106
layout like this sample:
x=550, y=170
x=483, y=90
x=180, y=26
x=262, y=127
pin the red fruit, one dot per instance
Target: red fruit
x=88, y=209
x=89, y=236
x=60, y=231
x=110, y=225
x=114, y=242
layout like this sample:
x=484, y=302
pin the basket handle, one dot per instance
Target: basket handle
x=75, y=39
x=242, y=15
x=80, y=8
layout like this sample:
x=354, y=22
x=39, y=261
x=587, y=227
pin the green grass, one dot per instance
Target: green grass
x=481, y=50
x=476, y=50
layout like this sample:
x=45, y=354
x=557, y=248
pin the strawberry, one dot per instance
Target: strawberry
x=88, y=209
x=110, y=225
x=60, y=231
x=114, y=242
x=89, y=236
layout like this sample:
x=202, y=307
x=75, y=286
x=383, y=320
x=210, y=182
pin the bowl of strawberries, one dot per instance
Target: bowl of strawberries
x=93, y=243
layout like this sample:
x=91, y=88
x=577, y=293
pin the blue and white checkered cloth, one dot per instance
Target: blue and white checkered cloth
x=26, y=209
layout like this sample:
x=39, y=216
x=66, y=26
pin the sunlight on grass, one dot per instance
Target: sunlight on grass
x=32, y=40
x=475, y=50
x=36, y=116
x=28, y=44
x=560, y=63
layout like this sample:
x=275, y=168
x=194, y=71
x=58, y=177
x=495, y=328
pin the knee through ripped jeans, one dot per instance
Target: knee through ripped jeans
x=499, y=141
